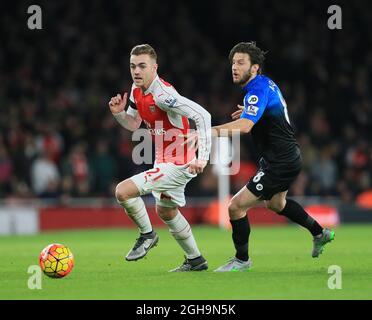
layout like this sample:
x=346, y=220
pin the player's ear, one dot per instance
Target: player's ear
x=255, y=67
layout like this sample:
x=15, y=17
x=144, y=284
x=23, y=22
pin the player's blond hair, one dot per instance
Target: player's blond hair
x=144, y=49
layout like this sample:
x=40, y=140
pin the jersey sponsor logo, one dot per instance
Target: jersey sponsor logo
x=157, y=131
x=253, y=99
x=170, y=101
x=251, y=110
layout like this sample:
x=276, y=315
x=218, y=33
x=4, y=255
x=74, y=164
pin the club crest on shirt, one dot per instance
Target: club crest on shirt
x=253, y=99
x=152, y=109
x=251, y=110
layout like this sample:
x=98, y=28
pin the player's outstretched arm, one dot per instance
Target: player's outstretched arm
x=246, y=116
x=229, y=128
x=129, y=119
x=240, y=126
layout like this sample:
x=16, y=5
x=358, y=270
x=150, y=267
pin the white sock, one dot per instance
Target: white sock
x=181, y=231
x=136, y=210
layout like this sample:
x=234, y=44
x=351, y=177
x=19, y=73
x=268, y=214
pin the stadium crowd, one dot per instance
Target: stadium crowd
x=59, y=139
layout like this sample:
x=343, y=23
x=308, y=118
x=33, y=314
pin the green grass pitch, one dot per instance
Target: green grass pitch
x=283, y=267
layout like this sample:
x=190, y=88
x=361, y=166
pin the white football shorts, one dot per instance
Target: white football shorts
x=166, y=182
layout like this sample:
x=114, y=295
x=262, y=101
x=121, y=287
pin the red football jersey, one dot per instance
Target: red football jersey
x=156, y=107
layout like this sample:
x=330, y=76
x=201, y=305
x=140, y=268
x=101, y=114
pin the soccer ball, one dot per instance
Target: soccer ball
x=56, y=260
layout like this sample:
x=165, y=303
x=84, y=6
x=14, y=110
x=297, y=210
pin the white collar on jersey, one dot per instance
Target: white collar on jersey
x=150, y=88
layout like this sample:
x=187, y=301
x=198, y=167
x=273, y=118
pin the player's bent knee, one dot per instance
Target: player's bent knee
x=122, y=192
x=166, y=213
x=235, y=212
x=276, y=206
x=232, y=207
x=119, y=194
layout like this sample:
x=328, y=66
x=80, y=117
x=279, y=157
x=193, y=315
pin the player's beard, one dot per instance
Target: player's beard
x=246, y=77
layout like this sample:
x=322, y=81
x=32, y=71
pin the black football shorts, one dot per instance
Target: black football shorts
x=270, y=180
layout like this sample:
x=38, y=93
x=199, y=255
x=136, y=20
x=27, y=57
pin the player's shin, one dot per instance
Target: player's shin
x=240, y=234
x=136, y=210
x=296, y=213
x=181, y=231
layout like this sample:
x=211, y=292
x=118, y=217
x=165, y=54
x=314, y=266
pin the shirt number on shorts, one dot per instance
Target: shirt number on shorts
x=258, y=176
x=153, y=171
x=149, y=174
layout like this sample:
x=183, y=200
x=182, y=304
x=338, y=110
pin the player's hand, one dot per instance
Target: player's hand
x=236, y=115
x=196, y=166
x=117, y=104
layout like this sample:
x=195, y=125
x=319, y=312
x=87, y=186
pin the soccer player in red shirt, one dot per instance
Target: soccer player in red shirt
x=166, y=114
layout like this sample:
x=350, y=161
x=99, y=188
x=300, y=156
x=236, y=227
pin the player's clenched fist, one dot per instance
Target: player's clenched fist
x=118, y=103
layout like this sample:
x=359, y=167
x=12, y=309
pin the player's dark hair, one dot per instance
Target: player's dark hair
x=256, y=55
x=144, y=49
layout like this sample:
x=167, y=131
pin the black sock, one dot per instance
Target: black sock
x=240, y=235
x=296, y=213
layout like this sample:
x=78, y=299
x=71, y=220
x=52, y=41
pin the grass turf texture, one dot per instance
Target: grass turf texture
x=283, y=267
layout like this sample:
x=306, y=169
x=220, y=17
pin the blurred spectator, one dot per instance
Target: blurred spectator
x=49, y=142
x=125, y=164
x=324, y=170
x=104, y=169
x=6, y=169
x=76, y=172
x=44, y=176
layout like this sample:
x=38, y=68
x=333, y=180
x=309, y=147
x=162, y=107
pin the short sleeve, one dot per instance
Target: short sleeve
x=255, y=102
